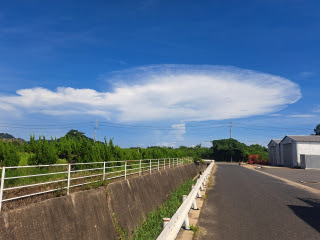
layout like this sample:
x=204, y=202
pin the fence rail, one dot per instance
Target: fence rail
x=69, y=174
x=173, y=227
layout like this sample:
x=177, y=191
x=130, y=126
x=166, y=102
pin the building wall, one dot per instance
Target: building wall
x=288, y=152
x=307, y=148
x=278, y=159
x=274, y=154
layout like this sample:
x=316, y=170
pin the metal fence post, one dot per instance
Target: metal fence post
x=125, y=169
x=140, y=168
x=150, y=166
x=104, y=171
x=158, y=164
x=2, y=185
x=68, y=184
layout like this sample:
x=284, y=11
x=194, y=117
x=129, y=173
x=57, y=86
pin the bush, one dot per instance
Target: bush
x=9, y=155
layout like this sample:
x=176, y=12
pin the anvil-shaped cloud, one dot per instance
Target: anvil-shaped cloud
x=166, y=92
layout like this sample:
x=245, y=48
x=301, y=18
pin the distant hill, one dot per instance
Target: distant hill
x=6, y=137
x=72, y=134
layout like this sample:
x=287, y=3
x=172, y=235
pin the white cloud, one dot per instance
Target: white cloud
x=167, y=144
x=302, y=116
x=178, y=130
x=166, y=92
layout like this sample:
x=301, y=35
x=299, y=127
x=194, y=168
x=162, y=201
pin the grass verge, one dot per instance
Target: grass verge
x=151, y=228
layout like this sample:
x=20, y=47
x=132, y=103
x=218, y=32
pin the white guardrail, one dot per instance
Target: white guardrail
x=69, y=175
x=172, y=228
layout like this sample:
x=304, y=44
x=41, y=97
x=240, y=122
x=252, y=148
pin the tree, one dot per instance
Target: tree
x=45, y=153
x=317, y=130
x=11, y=155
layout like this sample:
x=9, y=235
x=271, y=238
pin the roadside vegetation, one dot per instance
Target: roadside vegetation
x=227, y=149
x=75, y=147
x=151, y=228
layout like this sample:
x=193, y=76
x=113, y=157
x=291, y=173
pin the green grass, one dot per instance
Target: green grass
x=151, y=228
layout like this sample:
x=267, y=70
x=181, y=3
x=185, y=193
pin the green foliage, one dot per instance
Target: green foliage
x=151, y=228
x=9, y=155
x=122, y=234
x=225, y=149
x=317, y=130
x=45, y=153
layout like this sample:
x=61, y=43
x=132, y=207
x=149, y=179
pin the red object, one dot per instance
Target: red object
x=257, y=159
x=253, y=159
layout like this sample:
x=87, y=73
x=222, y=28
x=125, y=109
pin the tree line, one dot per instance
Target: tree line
x=75, y=147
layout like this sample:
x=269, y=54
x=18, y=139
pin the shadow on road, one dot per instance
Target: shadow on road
x=311, y=215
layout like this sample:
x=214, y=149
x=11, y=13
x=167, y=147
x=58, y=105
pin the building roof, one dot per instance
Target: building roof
x=275, y=140
x=307, y=138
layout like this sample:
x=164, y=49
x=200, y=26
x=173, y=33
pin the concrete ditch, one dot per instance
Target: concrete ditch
x=96, y=213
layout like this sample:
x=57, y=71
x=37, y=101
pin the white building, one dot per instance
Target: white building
x=274, y=152
x=291, y=147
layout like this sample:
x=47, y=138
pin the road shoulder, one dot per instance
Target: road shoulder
x=287, y=181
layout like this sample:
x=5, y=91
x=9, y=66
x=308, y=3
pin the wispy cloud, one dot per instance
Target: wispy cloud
x=317, y=109
x=302, y=116
x=166, y=92
x=306, y=74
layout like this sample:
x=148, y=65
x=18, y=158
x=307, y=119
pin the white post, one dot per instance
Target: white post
x=165, y=221
x=104, y=171
x=2, y=185
x=125, y=169
x=150, y=166
x=194, y=205
x=140, y=168
x=164, y=163
x=186, y=221
x=68, y=184
x=199, y=194
x=169, y=162
x=158, y=164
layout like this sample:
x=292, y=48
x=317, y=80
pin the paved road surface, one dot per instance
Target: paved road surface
x=244, y=204
x=308, y=177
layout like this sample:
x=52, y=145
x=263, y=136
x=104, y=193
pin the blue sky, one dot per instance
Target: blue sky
x=160, y=72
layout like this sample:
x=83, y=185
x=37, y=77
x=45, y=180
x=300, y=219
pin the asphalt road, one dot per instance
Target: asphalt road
x=244, y=204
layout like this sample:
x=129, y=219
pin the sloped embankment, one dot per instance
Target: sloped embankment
x=97, y=213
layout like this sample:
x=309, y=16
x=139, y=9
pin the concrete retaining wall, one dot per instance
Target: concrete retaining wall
x=90, y=214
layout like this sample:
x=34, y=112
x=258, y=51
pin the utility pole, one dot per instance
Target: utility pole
x=95, y=131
